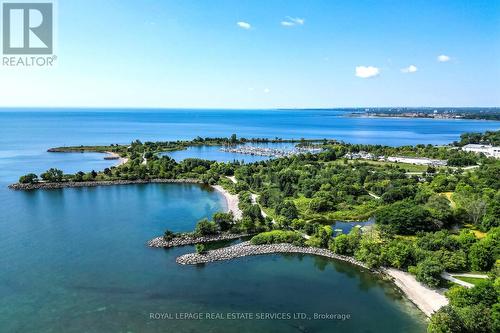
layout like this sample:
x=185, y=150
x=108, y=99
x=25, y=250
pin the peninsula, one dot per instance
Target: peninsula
x=431, y=220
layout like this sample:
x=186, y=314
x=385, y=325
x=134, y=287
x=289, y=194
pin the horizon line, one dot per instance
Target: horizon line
x=242, y=109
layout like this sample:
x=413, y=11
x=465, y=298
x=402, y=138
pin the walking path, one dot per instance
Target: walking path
x=373, y=195
x=472, y=275
x=452, y=278
x=449, y=277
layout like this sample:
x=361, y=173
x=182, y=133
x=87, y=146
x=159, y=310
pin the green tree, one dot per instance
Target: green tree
x=495, y=317
x=288, y=210
x=168, y=235
x=428, y=271
x=223, y=220
x=398, y=253
x=369, y=252
x=445, y=320
x=481, y=255
x=405, y=217
x=29, y=178
x=476, y=318
x=52, y=175
x=205, y=228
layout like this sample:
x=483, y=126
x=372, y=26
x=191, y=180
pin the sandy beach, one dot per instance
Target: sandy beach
x=121, y=160
x=232, y=201
x=426, y=299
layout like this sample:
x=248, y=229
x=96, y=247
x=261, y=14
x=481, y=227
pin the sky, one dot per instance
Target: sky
x=266, y=54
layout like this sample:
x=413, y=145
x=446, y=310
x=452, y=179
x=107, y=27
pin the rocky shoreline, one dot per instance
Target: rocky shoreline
x=247, y=249
x=191, y=240
x=52, y=186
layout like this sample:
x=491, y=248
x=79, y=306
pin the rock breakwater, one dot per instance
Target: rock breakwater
x=247, y=249
x=191, y=240
x=51, y=186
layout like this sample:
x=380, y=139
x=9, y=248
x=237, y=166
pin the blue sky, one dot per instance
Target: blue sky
x=267, y=54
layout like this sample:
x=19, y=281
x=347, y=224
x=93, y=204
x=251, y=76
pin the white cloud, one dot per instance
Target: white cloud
x=366, y=72
x=443, y=58
x=409, y=69
x=291, y=21
x=267, y=90
x=244, y=25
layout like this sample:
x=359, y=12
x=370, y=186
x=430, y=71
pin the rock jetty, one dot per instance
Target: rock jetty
x=51, y=186
x=187, y=239
x=247, y=249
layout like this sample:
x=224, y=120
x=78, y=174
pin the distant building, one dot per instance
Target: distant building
x=487, y=150
x=417, y=160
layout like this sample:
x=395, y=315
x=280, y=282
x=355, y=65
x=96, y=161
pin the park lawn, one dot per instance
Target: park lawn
x=361, y=212
x=406, y=166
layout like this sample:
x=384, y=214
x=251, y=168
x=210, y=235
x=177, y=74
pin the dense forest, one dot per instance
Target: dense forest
x=441, y=219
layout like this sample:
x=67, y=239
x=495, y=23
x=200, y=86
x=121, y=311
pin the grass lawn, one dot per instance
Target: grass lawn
x=472, y=280
x=360, y=212
x=406, y=166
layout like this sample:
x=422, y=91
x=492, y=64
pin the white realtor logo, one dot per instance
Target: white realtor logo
x=28, y=29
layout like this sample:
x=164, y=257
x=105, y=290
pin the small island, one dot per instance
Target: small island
x=437, y=224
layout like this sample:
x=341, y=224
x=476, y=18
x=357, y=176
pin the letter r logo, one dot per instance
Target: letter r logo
x=27, y=28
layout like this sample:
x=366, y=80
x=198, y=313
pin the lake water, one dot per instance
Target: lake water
x=346, y=227
x=75, y=260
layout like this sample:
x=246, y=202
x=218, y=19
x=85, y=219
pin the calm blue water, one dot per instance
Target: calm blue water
x=75, y=260
x=346, y=227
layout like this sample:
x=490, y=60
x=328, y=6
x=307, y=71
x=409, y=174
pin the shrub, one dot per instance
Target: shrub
x=168, y=235
x=200, y=248
x=278, y=236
